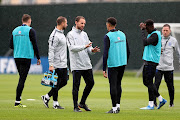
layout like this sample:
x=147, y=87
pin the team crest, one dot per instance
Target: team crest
x=169, y=43
x=19, y=32
x=118, y=38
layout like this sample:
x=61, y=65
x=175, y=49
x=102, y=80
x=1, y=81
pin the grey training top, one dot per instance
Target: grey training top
x=57, y=54
x=79, y=58
x=169, y=45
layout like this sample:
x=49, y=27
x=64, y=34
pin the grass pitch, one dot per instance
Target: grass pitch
x=134, y=96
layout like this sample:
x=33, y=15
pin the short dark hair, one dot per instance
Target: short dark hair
x=60, y=19
x=149, y=22
x=112, y=21
x=167, y=25
x=78, y=18
x=25, y=17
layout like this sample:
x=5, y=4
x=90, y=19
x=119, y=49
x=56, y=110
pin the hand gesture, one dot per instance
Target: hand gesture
x=96, y=49
x=161, y=50
x=88, y=45
x=142, y=26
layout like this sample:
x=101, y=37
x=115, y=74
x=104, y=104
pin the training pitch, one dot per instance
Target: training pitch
x=134, y=96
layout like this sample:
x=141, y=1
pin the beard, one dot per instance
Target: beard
x=64, y=28
x=80, y=28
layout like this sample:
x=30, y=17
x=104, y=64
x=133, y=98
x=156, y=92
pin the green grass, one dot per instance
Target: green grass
x=134, y=96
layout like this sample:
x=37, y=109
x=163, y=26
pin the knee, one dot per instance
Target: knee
x=171, y=88
x=21, y=83
x=113, y=90
x=75, y=91
x=91, y=83
x=64, y=83
x=145, y=83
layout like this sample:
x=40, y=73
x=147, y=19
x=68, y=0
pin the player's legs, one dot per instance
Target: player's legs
x=119, y=79
x=158, y=78
x=76, y=84
x=89, y=80
x=23, y=66
x=61, y=82
x=170, y=84
x=112, y=76
x=148, y=74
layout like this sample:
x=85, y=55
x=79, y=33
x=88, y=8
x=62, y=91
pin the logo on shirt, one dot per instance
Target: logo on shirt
x=19, y=32
x=169, y=44
x=118, y=38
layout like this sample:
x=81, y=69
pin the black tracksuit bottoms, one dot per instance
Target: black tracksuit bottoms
x=168, y=76
x=23, y=66
x=148, y=75
x=61, y=82
x=115, y=75
x=89, y=80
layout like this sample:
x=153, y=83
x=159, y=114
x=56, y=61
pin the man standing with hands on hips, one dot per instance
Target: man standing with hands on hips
x=151, y=57
x=115, y=56
x=79, y=47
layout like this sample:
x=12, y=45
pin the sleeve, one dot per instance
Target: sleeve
x=32, y=35
x=152, y=40
x=177, y=50
x=128, y=50
x=71, y=44
x=11, y=43
x=105, y=53
x=53, y=43
x=89, y=49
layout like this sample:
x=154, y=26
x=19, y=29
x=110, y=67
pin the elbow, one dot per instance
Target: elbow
x=72, y=49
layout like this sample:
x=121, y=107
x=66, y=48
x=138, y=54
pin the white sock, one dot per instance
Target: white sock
x=17, y=101
x=114, y=108
x=160, y=98
x=47, y=96
x=118, y=105
x=151, y=103
x=55, y=103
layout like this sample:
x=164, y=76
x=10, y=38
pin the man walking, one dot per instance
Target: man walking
x=79, y=46
x=23, y=42
x=57, y=57
x=115, y=56
x=151, y=57
x=165, y=67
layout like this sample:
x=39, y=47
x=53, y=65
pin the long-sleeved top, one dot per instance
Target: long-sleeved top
x=106, y=49
x=57, y=54
x=152, y=40
x=32, y=36
x=78, y=53
x=169, y=45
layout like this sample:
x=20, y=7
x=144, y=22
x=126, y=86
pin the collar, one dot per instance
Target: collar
x=113, y=30
x=166, y=37
x=76, y=30
x=23, y=25
x=61, y=31
x=154, y=29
